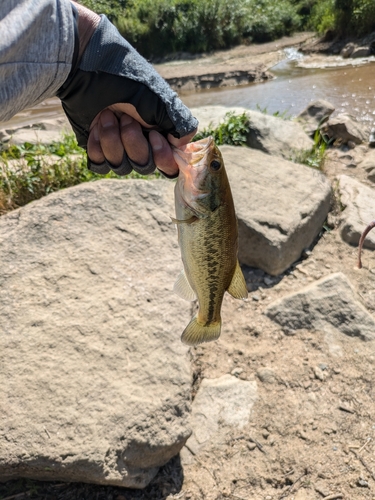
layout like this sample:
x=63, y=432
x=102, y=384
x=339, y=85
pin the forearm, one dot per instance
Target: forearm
x=36, y=51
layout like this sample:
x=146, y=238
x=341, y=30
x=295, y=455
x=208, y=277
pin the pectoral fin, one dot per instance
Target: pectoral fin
x=183, y=289
x=238, y=288
x=192, y=219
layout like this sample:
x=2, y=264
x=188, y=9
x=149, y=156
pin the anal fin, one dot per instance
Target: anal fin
x=237, y=287
x=183, y=289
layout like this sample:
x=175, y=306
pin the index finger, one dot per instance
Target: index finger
x=183, y=140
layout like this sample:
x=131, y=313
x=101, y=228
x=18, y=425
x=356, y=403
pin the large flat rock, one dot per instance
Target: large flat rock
x=359, y=211
x=270, y=134
x=329, y=303
x=281, y=207
x=95, y=382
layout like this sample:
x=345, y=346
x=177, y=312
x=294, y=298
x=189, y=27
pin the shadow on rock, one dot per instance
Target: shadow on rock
x=167, y=482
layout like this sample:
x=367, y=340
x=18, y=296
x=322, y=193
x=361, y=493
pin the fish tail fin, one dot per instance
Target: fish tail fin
x=196, y=333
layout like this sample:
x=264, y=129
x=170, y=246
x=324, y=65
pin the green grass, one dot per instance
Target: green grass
x=315, y=156
x=34, y=173
x=233, y=130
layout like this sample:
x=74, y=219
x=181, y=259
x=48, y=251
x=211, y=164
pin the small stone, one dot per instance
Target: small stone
x=362, y=483
x=319, y=373
x=265, y=434
x=266, y=375
x=268, y=281
x=322, y=489
x=307, y=384
x=236, y=371
x=255, y=297
x=251, y=446
x=323, y=366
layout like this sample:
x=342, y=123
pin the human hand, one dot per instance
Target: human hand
x=115, y=130
x=113, y=97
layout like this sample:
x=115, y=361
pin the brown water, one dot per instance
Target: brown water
x=350, y=89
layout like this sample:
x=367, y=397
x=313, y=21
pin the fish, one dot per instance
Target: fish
x=207, y=236
x=370, y=226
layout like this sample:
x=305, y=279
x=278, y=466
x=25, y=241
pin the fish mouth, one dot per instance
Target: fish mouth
x=193, y=154
x=192, y=162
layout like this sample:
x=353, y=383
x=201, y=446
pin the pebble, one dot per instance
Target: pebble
x=251, y=446
x=236, y=371
x=255, y=297
x=318, y=372
x=268, y=281
x=362, y=483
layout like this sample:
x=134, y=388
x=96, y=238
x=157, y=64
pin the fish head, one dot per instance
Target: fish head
x=202, y=177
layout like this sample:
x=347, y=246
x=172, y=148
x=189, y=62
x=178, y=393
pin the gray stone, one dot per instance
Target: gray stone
x=95, y=382
x=270, y=134
x=347, y=51
x=266, y=375
x=343, y=129
x=359, y=202
x=330, y=302
x=281, y=207
x=316, y=113
x=43, y=132
x=361, y=52
x=276, y=136
x=368, y=164
x=220, y=405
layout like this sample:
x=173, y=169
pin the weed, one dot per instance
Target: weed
x=313, y=157
x=233, y=130
x=29, y=171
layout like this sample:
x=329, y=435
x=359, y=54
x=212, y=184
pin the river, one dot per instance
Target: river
x=350, y=89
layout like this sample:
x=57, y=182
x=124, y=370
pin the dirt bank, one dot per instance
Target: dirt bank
x=240, y=65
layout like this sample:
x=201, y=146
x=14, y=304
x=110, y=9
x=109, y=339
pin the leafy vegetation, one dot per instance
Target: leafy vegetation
x=29, y=171
x=161, y=27
x=233, y=130
x=314, y=157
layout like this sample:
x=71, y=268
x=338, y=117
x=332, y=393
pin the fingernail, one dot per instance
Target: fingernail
x=107, y=120
x=126, y=120
x=156, y=142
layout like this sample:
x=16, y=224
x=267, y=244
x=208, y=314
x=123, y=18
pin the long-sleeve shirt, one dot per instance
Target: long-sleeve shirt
x=36, y=51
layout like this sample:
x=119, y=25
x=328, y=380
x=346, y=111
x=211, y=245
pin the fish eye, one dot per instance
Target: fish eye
x=215, y=165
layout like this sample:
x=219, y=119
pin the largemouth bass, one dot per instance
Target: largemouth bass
x=208, y=238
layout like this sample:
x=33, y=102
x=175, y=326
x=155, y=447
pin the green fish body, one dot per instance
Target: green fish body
x=208, y=238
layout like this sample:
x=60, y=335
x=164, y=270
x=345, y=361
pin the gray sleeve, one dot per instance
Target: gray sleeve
x=36, y=51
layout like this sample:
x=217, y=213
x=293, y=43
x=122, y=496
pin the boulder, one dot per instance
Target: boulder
x=368, y=164
x=347, y=51
x=312, y=117
x=330, y=302
x=344, y=129
x=44, y=132
x=220, y=405
x=359, y=203
x=361, y=52
x=95, y=382
x=281, y=207
x=269, y=134
x=276, y=136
